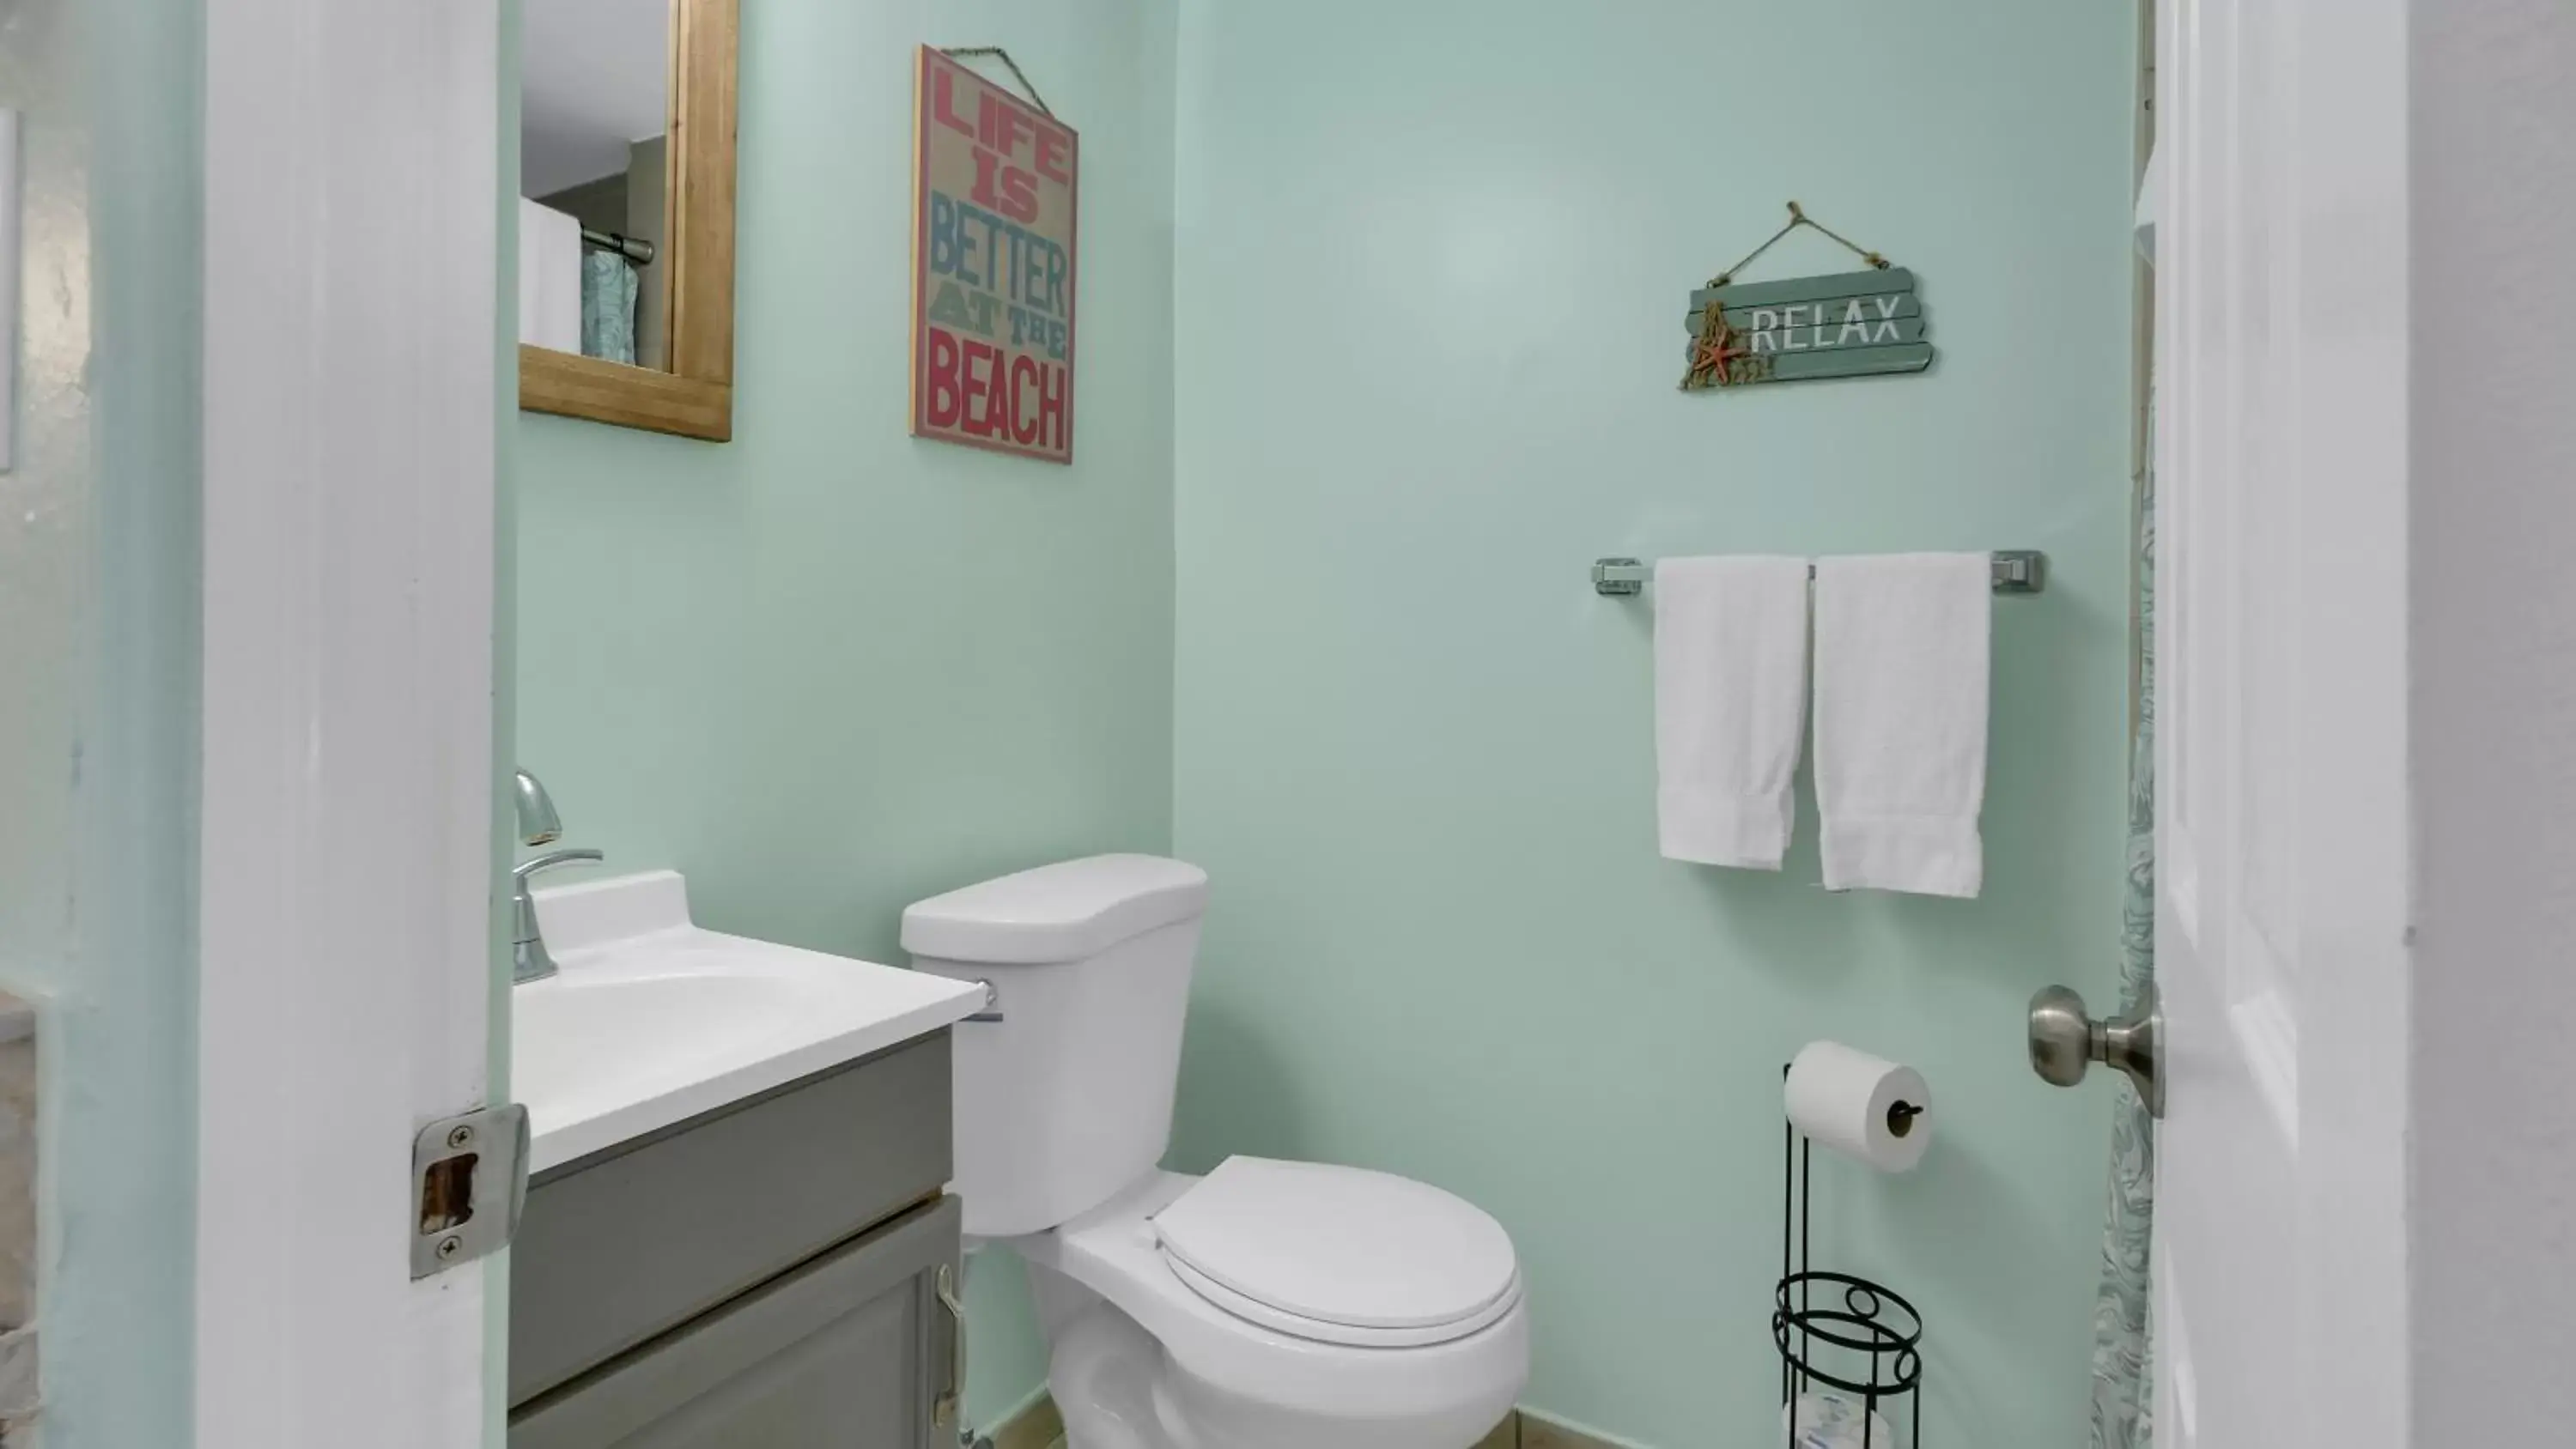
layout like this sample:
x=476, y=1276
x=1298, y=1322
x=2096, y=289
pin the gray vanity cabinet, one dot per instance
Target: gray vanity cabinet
x=763, y=1277
x=850, y=1350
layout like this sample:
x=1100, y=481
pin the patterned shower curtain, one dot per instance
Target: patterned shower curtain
x=609, y=288
x=2123, y=1381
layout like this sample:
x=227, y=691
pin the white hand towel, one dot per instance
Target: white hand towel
x=1901, y=666
x=1730, y=706
x=549, y=278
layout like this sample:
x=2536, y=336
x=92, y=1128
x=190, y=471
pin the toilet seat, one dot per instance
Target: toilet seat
x=1339, y=1255
x=1254, y=1311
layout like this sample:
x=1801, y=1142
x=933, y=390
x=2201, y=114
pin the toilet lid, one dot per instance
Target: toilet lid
x=1311, y=1249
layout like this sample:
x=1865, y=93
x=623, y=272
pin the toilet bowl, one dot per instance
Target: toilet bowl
x=1268, y=1305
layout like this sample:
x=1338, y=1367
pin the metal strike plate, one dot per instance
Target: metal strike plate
x=469, y=1178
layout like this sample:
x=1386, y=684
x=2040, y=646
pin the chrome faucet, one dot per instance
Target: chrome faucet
x=538, y=825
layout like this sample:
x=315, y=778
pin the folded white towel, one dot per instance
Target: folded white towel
x=1730, y=706
x=1901, y=666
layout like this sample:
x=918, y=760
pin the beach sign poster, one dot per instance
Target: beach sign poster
x=996, y=187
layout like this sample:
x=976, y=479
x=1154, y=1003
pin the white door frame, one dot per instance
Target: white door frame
x=345, y=919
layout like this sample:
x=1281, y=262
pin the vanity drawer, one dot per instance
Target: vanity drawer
x=636, y=1240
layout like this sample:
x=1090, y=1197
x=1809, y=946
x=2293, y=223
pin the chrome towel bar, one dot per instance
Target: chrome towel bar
x=2017, y=571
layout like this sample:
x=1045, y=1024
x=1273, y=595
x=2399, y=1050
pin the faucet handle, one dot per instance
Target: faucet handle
x=550, y=860
x=530, y=960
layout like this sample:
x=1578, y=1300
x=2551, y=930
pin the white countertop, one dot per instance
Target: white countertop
x=652, y=1020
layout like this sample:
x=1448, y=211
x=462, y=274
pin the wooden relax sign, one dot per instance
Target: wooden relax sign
x=1854, y=324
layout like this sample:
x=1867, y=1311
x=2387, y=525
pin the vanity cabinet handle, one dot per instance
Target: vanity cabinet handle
x=943, y=1411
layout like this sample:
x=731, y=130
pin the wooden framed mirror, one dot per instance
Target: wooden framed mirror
x=626, y=232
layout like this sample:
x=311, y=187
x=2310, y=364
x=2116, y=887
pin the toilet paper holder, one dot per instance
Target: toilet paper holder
x=1837, y=1330
x=2065, y=1042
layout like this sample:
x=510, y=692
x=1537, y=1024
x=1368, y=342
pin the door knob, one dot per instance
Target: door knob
x=2065, y=1042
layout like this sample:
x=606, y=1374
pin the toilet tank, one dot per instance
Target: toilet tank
x=1068, y=1097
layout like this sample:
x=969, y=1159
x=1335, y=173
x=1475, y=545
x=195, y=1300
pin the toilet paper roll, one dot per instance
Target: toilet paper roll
x=1833, y=1421
x=1864, y=1107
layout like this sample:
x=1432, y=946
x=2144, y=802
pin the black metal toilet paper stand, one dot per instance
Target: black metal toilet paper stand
x=1833, y=1329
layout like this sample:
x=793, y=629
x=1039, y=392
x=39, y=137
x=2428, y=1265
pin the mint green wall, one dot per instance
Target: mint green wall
x=825, y=669
x=98, y=693
x=1432, y=264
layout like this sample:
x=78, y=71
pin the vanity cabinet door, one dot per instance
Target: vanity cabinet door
x=850, y=1351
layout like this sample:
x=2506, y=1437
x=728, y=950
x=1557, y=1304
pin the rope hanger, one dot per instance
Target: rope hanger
x=1797, y=218
x=960, y=52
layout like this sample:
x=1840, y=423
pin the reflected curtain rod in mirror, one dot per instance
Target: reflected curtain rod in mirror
x=633, y=248
x=683, y=282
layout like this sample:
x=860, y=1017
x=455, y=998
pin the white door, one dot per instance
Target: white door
x=2282, y=953
x=348, y=846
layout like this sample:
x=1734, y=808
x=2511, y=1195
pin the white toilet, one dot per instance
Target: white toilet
x=1268, y=1305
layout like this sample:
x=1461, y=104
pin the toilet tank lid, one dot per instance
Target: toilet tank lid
x=1060, y=912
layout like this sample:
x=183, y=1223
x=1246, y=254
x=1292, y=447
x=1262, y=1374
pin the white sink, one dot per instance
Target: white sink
x=653, y=1021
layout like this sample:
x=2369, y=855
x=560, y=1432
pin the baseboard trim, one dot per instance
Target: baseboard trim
x=1037, y=1425
x=1535, y=1430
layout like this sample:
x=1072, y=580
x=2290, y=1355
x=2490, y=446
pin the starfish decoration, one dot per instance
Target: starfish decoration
x=1712, y=360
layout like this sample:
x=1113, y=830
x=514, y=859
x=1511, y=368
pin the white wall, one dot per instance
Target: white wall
x=2494, y=720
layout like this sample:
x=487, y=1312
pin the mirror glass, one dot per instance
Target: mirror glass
x=594, y=169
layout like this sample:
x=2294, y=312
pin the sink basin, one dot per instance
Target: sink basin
x=652, y=1020
x=602, y=1037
